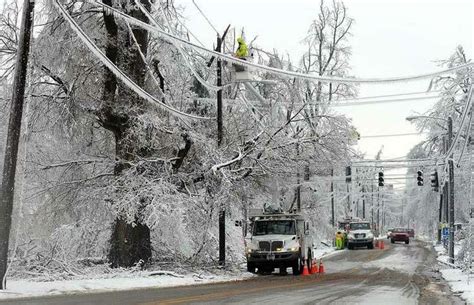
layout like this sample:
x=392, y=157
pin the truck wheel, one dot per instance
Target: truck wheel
x=310, y=259
x=296, y=267
x=350, y=247
x=392, y=241
x=251, y=267
x=407, y=242
x=370, y=246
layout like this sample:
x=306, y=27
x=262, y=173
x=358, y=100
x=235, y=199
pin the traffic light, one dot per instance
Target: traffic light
x=381, y=181
x=435, y=181
x=348, y=174
x=420, y=178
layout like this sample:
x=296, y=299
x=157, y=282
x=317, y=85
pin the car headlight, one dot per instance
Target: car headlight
x=370, y=235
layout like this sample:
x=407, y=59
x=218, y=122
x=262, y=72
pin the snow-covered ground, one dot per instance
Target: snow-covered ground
x=28, y=288
x=458, y=280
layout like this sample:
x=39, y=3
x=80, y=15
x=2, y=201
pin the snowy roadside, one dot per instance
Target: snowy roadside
x=458, y=280
x=19, y=288
x=22, y=288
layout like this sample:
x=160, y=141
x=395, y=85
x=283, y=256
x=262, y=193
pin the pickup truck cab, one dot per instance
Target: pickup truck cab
x=360, y=235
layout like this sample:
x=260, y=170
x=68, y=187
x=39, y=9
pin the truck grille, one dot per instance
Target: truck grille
x=264, y=246
x=361, y=235
x=277, y=245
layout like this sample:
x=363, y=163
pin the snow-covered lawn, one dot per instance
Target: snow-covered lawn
x=28, y=288
x=457, y=280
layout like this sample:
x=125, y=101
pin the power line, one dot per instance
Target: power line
x=392, y=135
x=281, y=72
x=205, y=17
x=115, y=70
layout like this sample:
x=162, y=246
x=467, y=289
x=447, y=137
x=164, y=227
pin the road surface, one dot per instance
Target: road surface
x=399, y=274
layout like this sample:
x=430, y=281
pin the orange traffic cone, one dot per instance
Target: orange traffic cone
x=376, y=243
x=305, y=270
x=314, y=267
x=321, y=266
x=381, y=245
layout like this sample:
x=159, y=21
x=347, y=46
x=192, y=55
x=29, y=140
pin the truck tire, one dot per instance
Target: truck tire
x=350, y=247
x=296, y=267
x=310, y=259
x=392, y=241
x=407, y=242
x=370, y=245
x=251, y=267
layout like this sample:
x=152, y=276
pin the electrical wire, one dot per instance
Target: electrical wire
x=392, y=135
x=205, y=17
x=149, y=71
x=467, y=109
x=115, y=70
x=180, y=50
x=281, y=72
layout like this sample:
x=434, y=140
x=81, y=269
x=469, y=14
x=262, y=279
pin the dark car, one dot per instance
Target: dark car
x=399, y=234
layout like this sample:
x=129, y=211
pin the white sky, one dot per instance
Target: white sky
x=390, y=38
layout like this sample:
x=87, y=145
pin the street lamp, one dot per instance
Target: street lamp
x=450, y=196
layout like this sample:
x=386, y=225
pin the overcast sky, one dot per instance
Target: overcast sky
x=389, y=38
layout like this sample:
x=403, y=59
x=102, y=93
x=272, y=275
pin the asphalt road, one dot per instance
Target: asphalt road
x=399, y=274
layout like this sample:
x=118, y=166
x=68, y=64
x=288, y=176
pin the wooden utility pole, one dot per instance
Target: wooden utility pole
x=13, y=136
x=451, y=193
x=219, y=143
x=333, y=220
x=220, y=131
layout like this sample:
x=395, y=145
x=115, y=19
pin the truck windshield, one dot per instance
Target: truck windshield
x=284, y=227
x=360, y=226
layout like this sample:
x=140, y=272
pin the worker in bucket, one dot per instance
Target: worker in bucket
x=242, y=51
x=339, y=240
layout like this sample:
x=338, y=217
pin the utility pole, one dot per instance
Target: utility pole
x=333, y=220
x=13, y=137
x=298, y=188
x=372, y=205
x=451, y=193
x=363, y=202
x=220, y=130
x=219, y=142
x=441, y=199
x=378, y=210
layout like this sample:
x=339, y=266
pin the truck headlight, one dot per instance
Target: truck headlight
x=249, y=250
x=370, y=235
x=294, y=249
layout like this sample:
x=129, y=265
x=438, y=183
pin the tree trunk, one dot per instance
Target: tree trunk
x=130, y=242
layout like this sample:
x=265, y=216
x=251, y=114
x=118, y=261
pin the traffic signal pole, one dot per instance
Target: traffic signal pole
x=13, y=136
